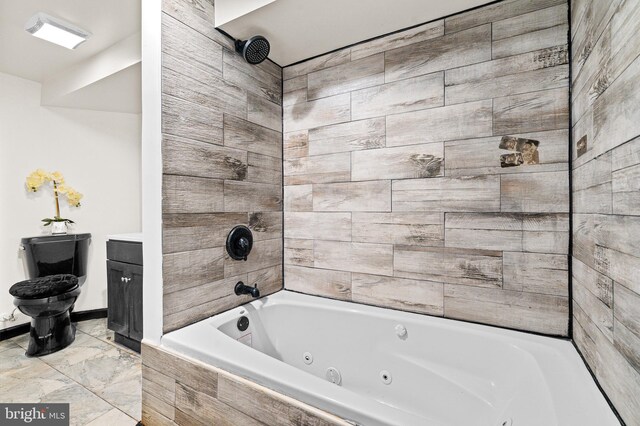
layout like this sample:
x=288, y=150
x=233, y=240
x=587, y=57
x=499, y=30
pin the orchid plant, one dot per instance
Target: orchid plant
x=40, y=177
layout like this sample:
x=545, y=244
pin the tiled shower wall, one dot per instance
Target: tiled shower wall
x=222, y=164
x=606, y=183
x=394, y=191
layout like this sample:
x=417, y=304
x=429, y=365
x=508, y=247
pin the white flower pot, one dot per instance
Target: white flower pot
x=58, y=228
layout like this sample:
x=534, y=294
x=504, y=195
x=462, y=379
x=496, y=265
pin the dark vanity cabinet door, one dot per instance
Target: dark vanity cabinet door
x=117, y=300
x=124, y=292
x=134, y=290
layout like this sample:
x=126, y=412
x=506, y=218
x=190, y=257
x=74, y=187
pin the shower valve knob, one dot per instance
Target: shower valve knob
x=239, y=242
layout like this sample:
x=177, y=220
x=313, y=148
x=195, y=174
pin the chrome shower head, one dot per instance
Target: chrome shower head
x=254, y=50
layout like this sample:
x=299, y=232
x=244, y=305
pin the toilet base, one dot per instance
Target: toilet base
x=50, y=334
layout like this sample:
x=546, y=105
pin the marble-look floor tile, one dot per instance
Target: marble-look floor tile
x=98, y=377
x=30, y=384
x=126, y=396
x=98, y=329
x=113, y=417
x=95, y=327
x=114, y=375
x=110, y=366
x=14, y=359
x=84, y=405
x=7, y=344
x=22, y=340
x=83, y=348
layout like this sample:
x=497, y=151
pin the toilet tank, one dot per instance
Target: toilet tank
x=57, y=254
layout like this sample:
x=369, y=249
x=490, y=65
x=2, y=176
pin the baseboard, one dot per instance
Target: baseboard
x=14, y=331
x=132, y=344
x=19, y=329
x=88, y=315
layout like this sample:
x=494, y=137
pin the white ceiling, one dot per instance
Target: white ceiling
x=299, y=30
x=119, y=92
x=28, y=57
x=102, y=74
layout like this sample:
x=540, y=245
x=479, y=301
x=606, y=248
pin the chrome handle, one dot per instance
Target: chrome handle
x=125, y=279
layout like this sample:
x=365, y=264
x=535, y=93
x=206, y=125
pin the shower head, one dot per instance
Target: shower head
x=254, y=50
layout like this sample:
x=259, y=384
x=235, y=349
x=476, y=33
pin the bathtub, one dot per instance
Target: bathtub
x=375, y=366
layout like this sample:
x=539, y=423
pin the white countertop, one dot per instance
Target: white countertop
x=135, y=237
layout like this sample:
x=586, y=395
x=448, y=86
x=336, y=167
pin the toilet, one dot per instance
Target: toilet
x=57, y=269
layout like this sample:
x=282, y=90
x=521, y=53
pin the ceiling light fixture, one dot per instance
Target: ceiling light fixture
x=56, y=30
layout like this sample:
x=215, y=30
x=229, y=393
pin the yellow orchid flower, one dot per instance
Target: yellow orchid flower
x=38, y=177
x=33, y=184
x=45, y=176
x=74, y=199
x=34, y=181
x=57, y=177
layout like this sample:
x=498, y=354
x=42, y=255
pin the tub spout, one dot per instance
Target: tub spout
x=241, y=289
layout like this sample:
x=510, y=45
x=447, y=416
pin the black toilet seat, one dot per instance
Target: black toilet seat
x=44, y=287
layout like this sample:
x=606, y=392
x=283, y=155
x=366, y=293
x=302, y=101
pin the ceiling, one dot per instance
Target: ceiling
x=299, y=30
x=114, y=93
x=101, y=74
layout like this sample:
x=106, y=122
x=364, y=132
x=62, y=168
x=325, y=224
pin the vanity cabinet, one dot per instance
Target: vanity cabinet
x=124, y=292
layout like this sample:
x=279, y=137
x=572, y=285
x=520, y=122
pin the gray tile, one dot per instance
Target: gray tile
x=422, y=92
x=351, y=136
x=495, y=11
x=125, y=395
x=83, y=348
x=403, y=38
x=347, y=77
x=95, y=327
x=29, y=382
x=324, y=61
x=7, y=344
x=113, y=417
x=84, y=405
x=98, y=329
x=14, y=359
x=445, y=194
x=321, y=112
x=22, y=340
x=109, y=366
x=528, y=42
x=437, y=54
x=454, y=122
x=403, y=162
x=529, y=22
x=531, y=112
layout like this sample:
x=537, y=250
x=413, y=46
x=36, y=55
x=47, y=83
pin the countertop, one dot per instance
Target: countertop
x=135, y=237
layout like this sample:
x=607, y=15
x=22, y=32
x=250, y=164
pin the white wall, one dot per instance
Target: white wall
x=152, y=170
x=99, y=155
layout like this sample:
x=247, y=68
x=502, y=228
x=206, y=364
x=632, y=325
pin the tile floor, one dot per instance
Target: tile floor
x=99, y=378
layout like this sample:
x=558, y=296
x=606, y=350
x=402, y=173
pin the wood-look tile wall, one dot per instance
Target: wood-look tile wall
x=394, y=191
x=178, y=390
x=606, y=196
x=222, y=164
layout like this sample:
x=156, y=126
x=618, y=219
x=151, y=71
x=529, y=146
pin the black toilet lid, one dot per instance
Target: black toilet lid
x=49, y=286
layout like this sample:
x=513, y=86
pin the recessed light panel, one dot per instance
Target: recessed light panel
x=56, y=30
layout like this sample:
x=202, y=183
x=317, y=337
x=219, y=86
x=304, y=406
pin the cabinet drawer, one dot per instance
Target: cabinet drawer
x=124, y=251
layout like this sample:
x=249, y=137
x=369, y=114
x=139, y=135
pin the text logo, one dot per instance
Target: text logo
x=34, y=414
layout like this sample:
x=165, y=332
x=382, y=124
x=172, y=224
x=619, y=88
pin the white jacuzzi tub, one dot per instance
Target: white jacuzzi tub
x=443, y=372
